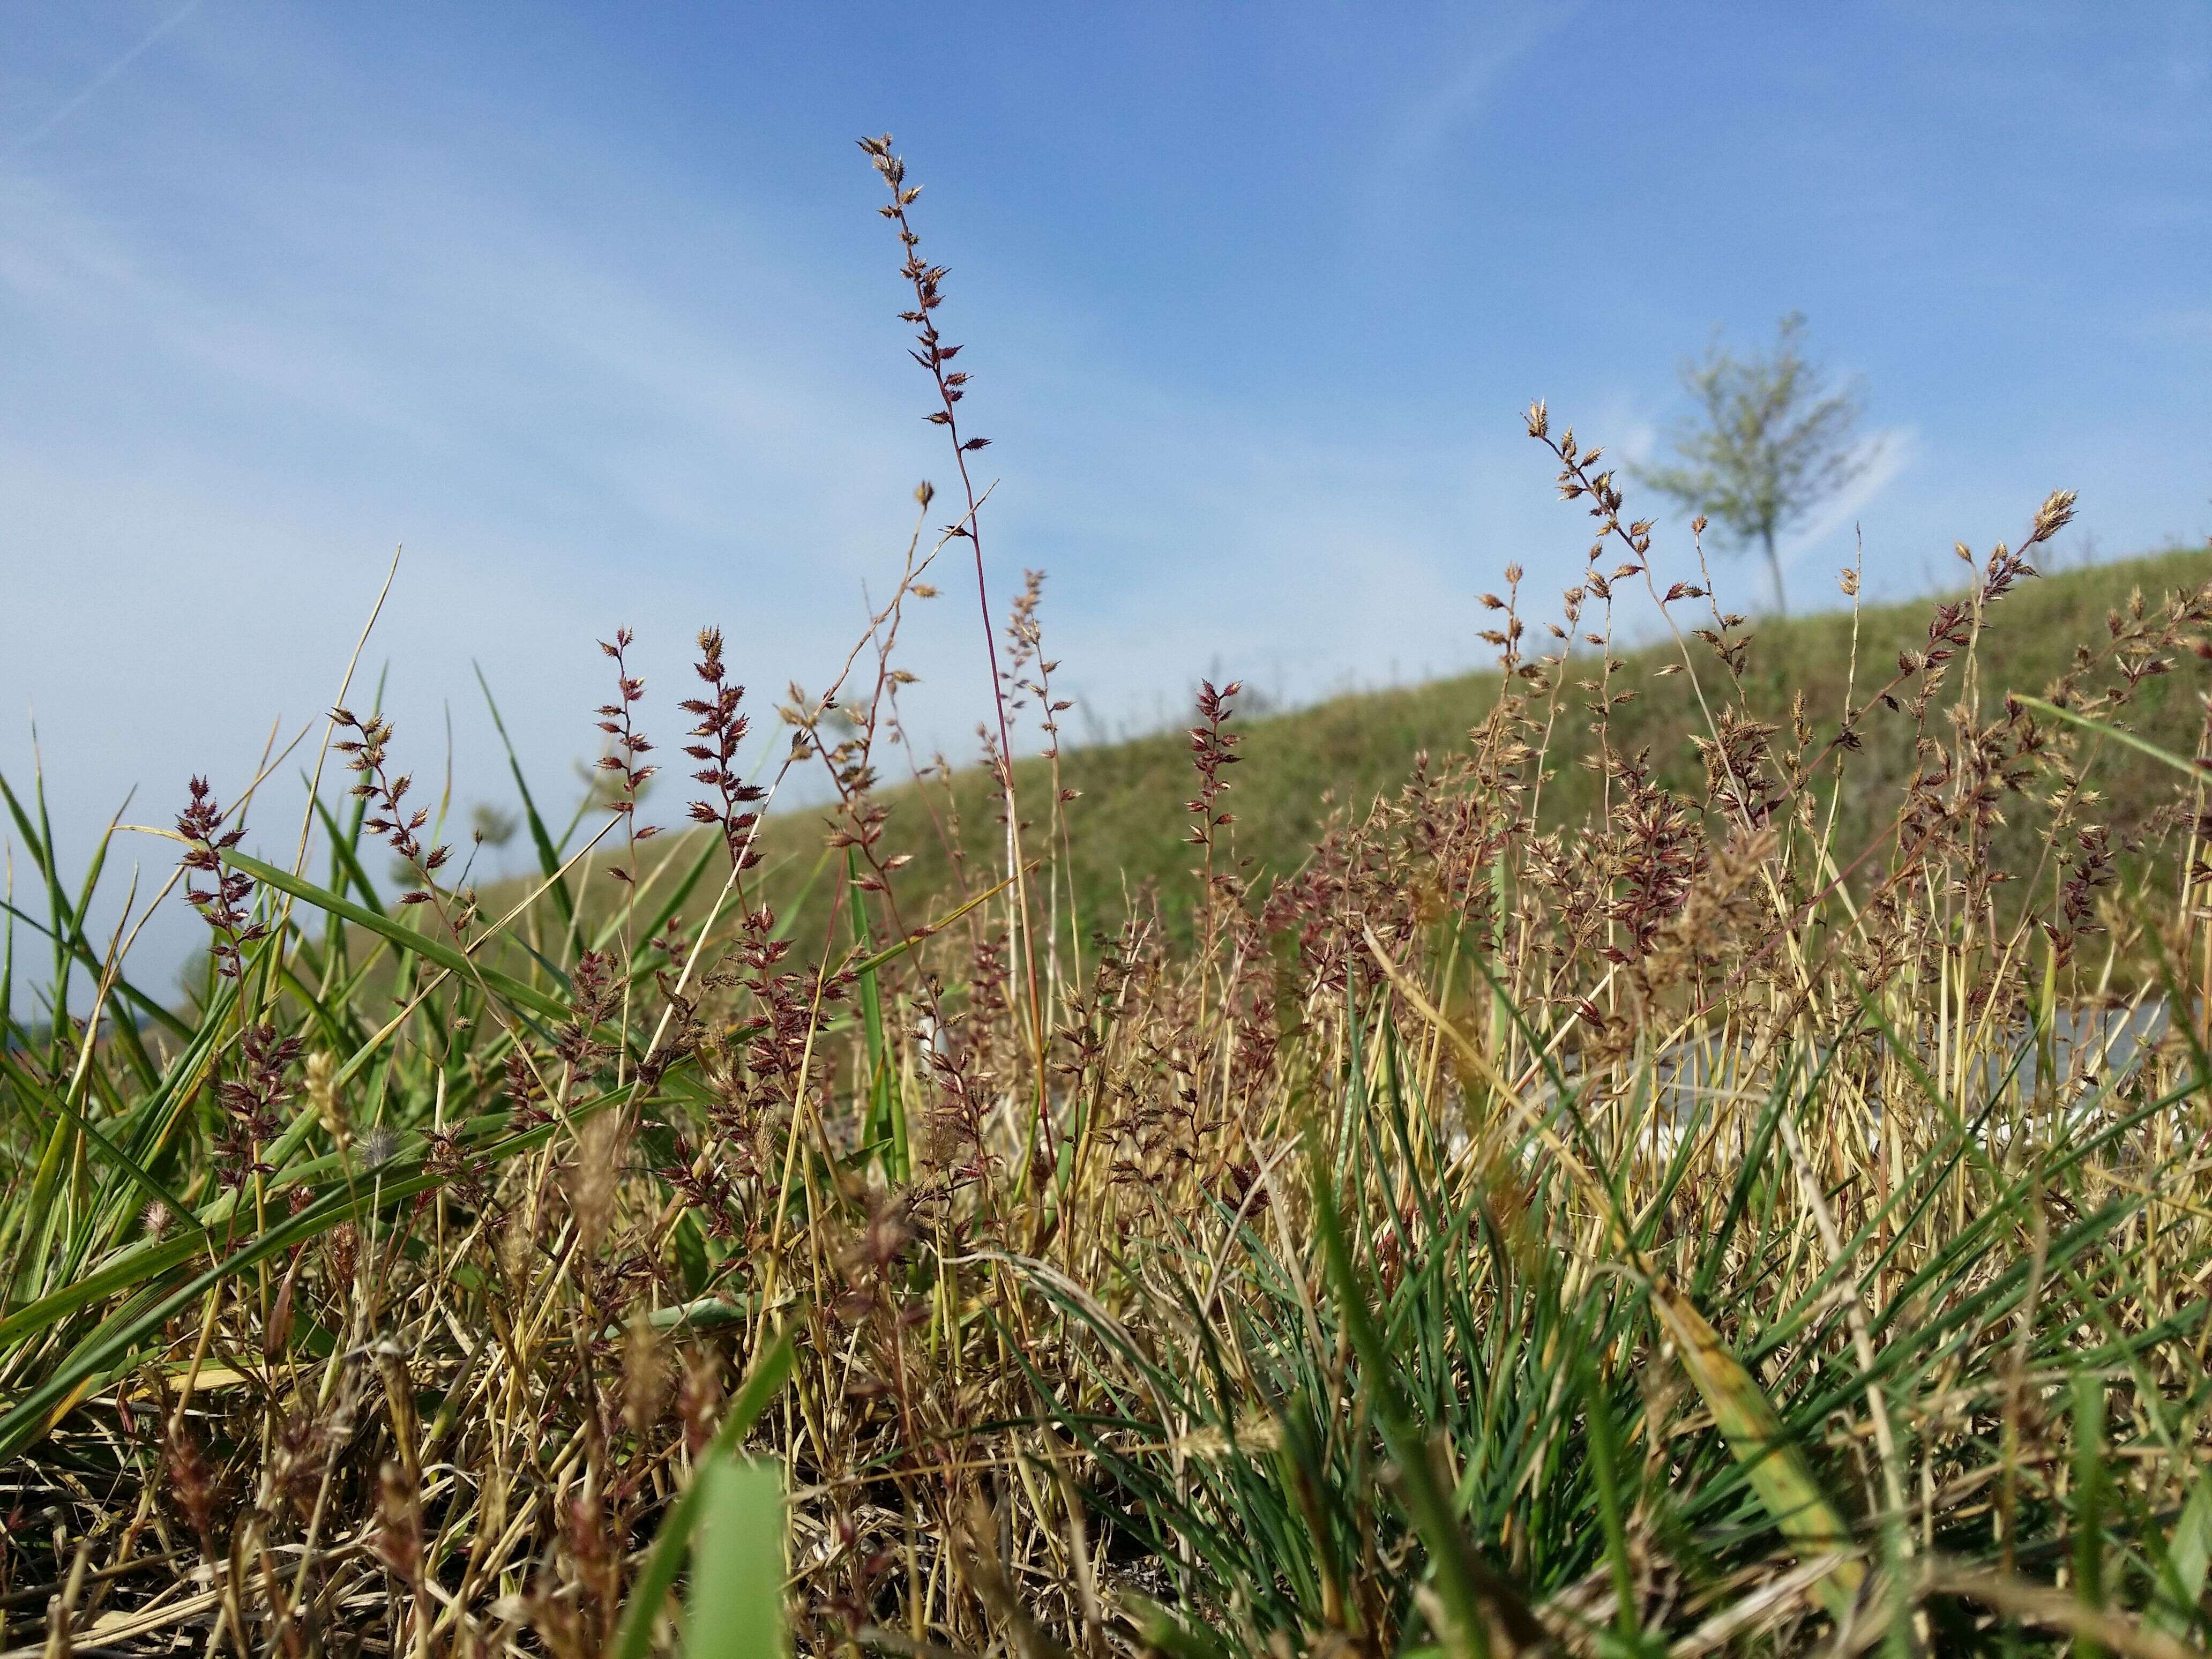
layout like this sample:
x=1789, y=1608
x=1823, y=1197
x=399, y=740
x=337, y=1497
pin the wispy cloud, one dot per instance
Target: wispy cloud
x=1889, y=454
x=1506, y=35
x=85, y=94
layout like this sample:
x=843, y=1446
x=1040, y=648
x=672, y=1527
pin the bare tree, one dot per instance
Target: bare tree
x=1770, y=442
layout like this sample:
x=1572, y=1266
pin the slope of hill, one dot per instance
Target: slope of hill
x=1126, y=833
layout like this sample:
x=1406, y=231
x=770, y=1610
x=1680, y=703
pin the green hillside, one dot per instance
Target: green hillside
x=1128, y=829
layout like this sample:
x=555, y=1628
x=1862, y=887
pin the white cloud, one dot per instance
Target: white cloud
x=1890, y=454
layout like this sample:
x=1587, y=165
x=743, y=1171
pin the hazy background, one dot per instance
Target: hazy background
x=590, y=308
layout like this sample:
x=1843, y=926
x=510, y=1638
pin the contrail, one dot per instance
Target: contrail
x=97, y=83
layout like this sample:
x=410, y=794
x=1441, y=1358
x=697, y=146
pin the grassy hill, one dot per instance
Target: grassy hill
x=1127, y=830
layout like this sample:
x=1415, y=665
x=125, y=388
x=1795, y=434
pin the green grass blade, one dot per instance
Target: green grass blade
x=1458, y=1578
x=886, y=1125
x=2125, y=739
x=58, y=1101
x=549, y=856
x=2089, y=1479
x=634, y=1636
x=735, y=1610
x=344, y=853
x=435, y=951
x=2188, y=1551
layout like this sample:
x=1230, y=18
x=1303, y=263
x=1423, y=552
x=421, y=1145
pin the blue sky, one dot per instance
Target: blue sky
x=589, y=307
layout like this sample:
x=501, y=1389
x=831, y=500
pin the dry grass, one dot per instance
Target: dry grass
x=1677, y=1208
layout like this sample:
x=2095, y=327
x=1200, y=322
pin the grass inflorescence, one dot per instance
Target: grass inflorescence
x=1726, y=1178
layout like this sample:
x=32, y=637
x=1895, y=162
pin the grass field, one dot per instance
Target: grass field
x=1600, y=1157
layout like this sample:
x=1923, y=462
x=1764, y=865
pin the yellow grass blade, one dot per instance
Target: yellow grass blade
x=1755, y=1433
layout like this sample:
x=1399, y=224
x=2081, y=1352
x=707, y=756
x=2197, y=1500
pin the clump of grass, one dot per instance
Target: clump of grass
x=1603, y=1198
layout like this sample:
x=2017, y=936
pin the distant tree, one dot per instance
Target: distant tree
x=494, y=826
x=1770, y=442
x=603, y=789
